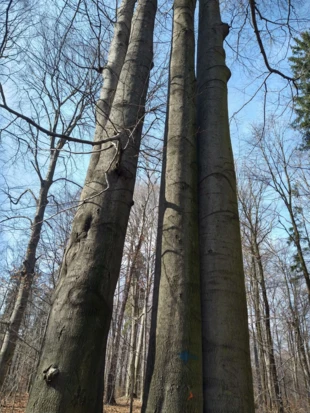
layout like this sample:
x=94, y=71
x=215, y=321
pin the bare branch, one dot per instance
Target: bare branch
x=261, y=46
x=49, y=133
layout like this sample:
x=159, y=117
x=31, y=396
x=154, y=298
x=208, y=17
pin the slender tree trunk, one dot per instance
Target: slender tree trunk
x=111, y=377
x=149, y=277
x=125, y=361
x=139, y=358
x=276, y=390
x=300, y=345
x=8, y=302
x=70, y=373
x=226, y=355
x=26, y=276
x=300, y=253
x=258, y=375
x=133, y=344
x=294, y=364
x=261, y=373
x=176, y=382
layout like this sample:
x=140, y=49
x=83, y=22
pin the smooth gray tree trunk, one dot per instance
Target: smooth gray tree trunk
x=176, y=379
x=111, y=73
x=112, y=70
x=70, y=374
x=226, y=356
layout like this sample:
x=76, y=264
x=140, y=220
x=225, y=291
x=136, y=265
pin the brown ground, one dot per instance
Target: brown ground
x=18, y=404
x=122, y=407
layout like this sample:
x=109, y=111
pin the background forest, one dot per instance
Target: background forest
x=53, y=58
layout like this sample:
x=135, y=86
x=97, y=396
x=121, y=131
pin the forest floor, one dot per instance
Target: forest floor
x=18, y=405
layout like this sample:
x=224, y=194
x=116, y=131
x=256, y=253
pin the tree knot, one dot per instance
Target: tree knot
x=225, y=30
x=50, y=373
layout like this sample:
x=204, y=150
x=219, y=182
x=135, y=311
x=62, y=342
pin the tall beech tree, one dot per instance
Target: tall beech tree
x=176, y=380
x=227, y=372
x=61, y=104
x=70, y=372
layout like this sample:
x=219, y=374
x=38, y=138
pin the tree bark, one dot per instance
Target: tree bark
x=226, y=355
x=176, y=381
x=70, y=373
x=111, y=74
x=112, y=70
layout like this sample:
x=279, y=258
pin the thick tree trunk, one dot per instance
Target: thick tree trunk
x=226, y=355
x=70, y=373
x=112, y=70
x=153, y=325
x=111, y=74
x=176, y=382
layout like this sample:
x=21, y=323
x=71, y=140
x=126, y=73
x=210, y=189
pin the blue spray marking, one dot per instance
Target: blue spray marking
x=185, y=356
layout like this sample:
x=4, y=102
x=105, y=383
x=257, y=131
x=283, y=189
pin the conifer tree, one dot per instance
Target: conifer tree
x=300, y=63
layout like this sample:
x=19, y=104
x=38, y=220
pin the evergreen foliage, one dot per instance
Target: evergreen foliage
x=300, y=63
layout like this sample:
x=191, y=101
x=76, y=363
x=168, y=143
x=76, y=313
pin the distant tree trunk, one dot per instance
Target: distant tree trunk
x=125, y=361
x=273, y=374
x=111, y=376
x=26, y=274
x=7, y=304
x=300, y=344
x=297, y=241
x=138, y=358
x=226, y=355
x=73, y=354
x=261, y=373
x=258, y=374
x=149, y=278
x=133, y=344
x=176, y=379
